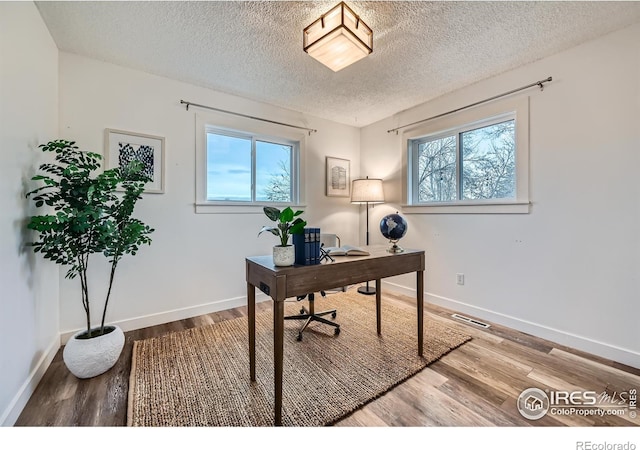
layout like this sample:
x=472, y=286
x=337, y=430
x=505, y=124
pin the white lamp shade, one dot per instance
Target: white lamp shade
x=367, y=190
x=339, y=38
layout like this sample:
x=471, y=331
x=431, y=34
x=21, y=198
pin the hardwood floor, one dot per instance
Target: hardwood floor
x=476, y=385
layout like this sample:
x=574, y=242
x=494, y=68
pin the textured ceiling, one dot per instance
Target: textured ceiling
x=422, y=49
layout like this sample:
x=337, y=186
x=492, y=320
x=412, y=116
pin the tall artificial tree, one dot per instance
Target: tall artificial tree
x=88, y=215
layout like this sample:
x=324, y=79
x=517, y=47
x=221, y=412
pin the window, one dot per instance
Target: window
x=474, y=164
x=470, y=163
x=244, y=168
x=237, y=169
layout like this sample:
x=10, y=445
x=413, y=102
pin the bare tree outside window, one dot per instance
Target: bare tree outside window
x=278, y=188
x=488, y=162
x=437, y=170
x=470, y=165
x=273, y=172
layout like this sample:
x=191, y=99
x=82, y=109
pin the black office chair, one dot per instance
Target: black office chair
x=309, y=315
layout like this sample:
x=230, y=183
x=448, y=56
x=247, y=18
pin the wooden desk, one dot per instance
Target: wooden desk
x=281, y=283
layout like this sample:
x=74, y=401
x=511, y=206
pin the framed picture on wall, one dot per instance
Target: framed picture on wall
x=122, y=147
x=338, y=177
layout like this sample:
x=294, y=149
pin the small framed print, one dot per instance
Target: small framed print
x=338, y=177
x=122, y=147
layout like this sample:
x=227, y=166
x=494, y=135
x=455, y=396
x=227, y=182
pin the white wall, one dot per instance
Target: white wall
x=568, y=270
x=28, y=284
x=195, y=263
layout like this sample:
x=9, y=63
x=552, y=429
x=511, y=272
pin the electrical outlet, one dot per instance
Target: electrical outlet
x=460, y=278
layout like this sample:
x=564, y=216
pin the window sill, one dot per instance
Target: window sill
x=470, y=208
x=239, y=208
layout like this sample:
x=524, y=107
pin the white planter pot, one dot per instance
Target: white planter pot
x=284, y=256
x=87, y=358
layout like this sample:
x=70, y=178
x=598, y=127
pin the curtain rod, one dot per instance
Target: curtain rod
x=537, y=83
x=310, y=130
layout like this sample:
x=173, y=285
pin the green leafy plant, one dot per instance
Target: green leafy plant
x=287, y=221
x=88, y=217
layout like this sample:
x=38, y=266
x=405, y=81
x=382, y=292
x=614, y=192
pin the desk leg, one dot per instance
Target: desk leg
x=251, y=307
x=378, y=306
x=278, y=351
x=420, y=305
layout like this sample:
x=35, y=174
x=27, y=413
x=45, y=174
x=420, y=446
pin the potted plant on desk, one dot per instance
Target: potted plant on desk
x=287, y=223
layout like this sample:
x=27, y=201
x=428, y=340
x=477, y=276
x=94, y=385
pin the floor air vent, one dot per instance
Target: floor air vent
x=470, y=320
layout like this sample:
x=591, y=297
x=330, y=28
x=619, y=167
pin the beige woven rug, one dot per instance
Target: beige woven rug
x=200, y=376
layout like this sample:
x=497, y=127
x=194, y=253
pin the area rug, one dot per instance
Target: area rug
x=200, y=376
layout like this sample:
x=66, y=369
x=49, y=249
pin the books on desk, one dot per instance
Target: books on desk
x=346, y=250
x=307, y=247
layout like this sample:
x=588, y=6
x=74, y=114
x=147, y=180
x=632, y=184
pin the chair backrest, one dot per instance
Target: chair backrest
x=330, y=240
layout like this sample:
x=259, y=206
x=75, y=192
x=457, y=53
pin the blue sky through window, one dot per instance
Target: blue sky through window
x=229, y=167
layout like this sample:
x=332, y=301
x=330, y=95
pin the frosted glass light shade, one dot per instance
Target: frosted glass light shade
x=338, y=38
x=367, y=190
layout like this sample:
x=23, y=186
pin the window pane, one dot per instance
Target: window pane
x=437, y=170
x=488, y=162
x=228, y=168
x=273, y=172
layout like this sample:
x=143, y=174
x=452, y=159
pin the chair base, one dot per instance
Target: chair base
x=309, y=315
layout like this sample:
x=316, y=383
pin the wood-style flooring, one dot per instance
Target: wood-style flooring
x=475, y=385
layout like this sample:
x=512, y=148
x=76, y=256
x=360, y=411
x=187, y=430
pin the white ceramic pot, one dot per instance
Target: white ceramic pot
x=284, y=256
x=87, y=358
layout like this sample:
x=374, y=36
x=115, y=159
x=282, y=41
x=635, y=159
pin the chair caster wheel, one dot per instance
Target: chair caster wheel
x=337, y=331
x=333, y=315
x=299, y=338
x=302, y=311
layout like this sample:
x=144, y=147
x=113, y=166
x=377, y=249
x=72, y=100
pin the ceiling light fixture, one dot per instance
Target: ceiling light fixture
x=338, y=38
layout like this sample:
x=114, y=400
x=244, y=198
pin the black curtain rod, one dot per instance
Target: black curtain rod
x=310, y=130
x=537, y=83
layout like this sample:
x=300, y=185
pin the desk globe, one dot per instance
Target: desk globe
x=393, y=227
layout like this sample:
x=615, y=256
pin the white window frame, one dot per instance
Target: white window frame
x=244, y=128
x=456, y=123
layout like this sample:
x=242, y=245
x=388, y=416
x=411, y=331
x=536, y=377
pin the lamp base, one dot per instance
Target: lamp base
x=366, y=290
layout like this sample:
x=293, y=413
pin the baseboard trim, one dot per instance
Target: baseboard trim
x=583, y=343
x=13, y=411
x=136, y=323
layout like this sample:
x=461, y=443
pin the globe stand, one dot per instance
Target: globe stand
x=395, y=248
